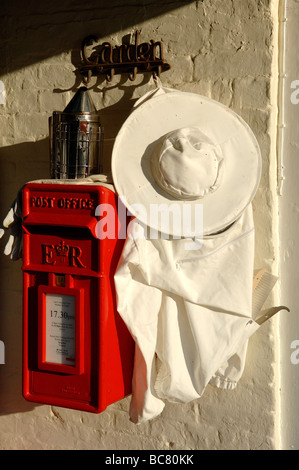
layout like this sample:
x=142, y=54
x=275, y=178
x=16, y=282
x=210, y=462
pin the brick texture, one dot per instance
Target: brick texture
x=224, y=49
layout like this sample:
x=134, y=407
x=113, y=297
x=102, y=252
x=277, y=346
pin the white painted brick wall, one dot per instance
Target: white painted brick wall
x=225, y=49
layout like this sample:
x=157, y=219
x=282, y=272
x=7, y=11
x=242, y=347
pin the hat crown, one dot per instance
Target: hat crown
x=187, y=165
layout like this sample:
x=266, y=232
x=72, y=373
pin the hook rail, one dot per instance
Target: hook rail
x=132, y=59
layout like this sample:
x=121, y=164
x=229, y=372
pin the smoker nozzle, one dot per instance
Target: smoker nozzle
x=81, y=103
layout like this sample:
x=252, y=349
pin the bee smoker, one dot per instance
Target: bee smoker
x=76, y=139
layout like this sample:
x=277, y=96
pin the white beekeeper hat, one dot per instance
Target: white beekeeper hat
x=184, y=149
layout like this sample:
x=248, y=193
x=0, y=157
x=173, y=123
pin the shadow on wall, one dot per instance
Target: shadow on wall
x=30, y=33
x=18, y=164
x=34, y=31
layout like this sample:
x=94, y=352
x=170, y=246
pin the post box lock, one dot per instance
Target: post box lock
x=77, y=352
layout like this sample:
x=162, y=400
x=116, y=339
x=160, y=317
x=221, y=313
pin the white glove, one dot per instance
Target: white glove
x=13, y=221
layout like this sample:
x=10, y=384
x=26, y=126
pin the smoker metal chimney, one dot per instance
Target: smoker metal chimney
x=76, y=138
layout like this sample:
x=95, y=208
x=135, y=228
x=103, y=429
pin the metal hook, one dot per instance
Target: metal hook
x=132, y=76
x=87, y=77
x=109, y=76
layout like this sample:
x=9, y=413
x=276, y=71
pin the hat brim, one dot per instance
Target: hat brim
x=135, y=143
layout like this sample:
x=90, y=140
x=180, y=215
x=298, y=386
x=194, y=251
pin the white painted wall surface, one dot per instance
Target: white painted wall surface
x=224, y=49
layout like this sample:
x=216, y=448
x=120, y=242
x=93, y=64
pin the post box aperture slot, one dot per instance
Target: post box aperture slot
x=60, y=325
x=59, y=280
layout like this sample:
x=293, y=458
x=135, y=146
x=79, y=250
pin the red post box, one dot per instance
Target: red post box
x=77, y=352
